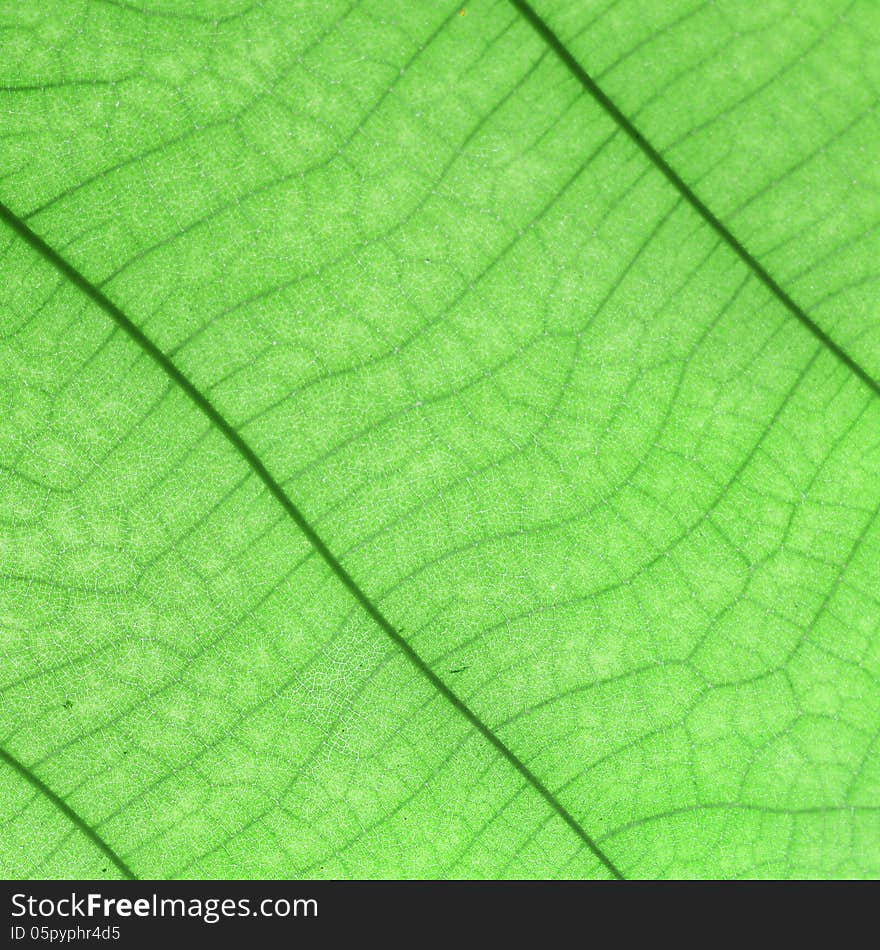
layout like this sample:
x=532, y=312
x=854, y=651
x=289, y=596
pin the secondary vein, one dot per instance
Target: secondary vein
x=68, y=812
x=543, y=30
x=222, y=424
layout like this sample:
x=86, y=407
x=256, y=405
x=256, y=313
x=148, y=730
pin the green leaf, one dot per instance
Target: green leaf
x=439, y=442
x=769, y=112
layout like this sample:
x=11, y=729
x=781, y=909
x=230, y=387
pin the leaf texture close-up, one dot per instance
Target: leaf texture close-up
x=440, y=441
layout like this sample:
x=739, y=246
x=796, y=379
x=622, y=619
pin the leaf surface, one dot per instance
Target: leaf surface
x=770, y=113
x=406, y=473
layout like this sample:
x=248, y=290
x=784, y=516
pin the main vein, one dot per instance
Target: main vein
x=222, y=424
x=592, y=87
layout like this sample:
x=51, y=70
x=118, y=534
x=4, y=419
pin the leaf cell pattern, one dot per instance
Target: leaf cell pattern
x=439, y=441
